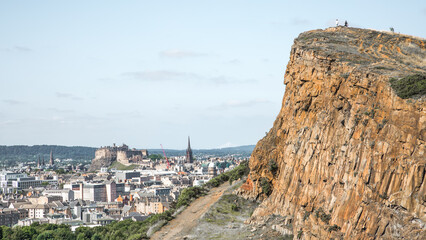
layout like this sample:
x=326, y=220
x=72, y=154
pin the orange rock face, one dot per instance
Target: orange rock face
x=350, y=152
x=248, y=185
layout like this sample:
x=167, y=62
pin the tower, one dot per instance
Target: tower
x=189, y=157
x=212, y=171
x=38, y=162
x=42, y=163
x=51, y=158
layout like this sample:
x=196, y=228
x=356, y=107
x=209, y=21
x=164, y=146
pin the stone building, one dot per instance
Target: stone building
x=9, y=217
x=133, y=156
x=154, y=204
x=105, y=156
x=36, y=210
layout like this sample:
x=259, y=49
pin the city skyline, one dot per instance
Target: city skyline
x=143, y=73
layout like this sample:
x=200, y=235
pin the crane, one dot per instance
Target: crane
x=168, y=164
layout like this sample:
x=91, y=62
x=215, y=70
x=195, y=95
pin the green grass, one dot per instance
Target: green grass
x=228, y=209
x=120, y=166
x=410, y=86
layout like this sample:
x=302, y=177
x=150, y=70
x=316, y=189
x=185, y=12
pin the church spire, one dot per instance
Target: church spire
x=189, y=157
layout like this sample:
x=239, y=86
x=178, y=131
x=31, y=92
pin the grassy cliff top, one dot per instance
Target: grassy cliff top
x=400, y=57
x=384, y=52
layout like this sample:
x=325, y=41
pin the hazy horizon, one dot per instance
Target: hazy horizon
x=91, y=73
x=159, y=148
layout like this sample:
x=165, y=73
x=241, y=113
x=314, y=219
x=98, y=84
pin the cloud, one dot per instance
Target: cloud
x=234, y=61
x=13, y=102
x=106, y=79
x=57, y=110
x=16, y=49
x=180, y=54
x=161, y=75
x=298, y=21
x=68, y=96
x=239, y=104
x=129, y=114
x=22, y=49
x=169, y=75
x=10, y=122
x=219, y=80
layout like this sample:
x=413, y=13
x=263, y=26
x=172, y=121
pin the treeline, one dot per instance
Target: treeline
x=235, y=174
x=245, y=151
x=189, y=194
x=24, y=153
x=29, y=153
x=126, y=229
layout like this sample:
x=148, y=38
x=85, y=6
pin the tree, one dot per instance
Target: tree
x=135, y=236
x=46, y=235
x=84, y=233
x=97, y=236
x=6, y=232
x=60, y=171
x=64, y=234
x=155, y=156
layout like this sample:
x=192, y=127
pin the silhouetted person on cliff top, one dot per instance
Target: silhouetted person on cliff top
x=346, y=23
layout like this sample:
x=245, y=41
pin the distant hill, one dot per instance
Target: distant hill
x=244, y=150
x=248, y=148
x=24, y=153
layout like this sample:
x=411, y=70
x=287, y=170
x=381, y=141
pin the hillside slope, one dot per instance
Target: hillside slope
x=345, y=157
x=182, y=225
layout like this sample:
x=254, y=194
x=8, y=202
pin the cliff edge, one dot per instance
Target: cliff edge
x=345, y=157
x=104, y=157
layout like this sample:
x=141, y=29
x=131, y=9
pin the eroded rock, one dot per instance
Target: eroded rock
x=344, y=142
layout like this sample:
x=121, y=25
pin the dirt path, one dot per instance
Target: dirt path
x=182, y=225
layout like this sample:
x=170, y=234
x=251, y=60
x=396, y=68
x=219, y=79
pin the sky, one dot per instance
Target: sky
x=145, y=73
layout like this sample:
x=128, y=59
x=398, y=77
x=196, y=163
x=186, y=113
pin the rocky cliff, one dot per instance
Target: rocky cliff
x=104, y=157
x=345, y=157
